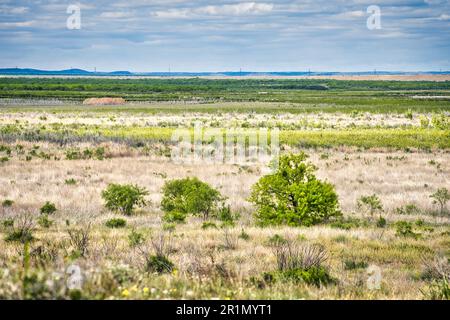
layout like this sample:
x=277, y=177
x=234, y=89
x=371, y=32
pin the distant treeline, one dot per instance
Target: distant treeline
x=195, y=88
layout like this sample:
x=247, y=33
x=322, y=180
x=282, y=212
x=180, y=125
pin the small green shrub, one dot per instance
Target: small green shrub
x=170, y=227
x=8, y=223
x=99, y=153
x=44, y=221
x=71, y=182
x=244, y=235
x=48, y=208
x=277, y=240
x=209, y=225
x=225, y=215
x=7, y=203
x=346, y=223
x=174, y=217
x=19, y=236
x=135, y=238
x=381, y=222
x=124, y=198
x=372, y=204
x=21, y=230
x=299, y=264
x=405, y=229
x=293, y=195
x=351, y=264
x=409, y=114
x=424, y=122
x=159, y=264
x=313, y=276
x=116, y=223
x=441, y=197
x=408, y=209
x=190, y=196
x=440, y=121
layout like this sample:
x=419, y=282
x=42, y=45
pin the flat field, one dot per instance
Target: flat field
x=390, y=139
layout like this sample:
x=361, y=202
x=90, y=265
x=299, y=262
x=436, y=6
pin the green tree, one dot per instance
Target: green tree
x=124, y=198
x=441, y=197
x=293, y=195
x=190, y=196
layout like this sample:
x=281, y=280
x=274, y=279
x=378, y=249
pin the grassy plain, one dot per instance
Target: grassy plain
x=387, y=138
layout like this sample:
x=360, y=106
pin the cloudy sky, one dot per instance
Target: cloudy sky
x=226, y=35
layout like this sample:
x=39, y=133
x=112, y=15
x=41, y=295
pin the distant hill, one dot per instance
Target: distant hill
x=68, y=72
x=80, y=72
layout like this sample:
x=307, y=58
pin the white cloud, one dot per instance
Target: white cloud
x=14, y=10
x=115, y=15
x=352, y=14
x=244, y=8
x=17, y=24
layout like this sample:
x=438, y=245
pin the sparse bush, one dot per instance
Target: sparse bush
x=7, y=203
x=244, y=235
x=230, y=240
x=424, y=122
x=190, y=196
x=314, y=276
x=135, y=238
x=408, y=209
x=440, y=121
x=372, y=204
x=209, y=225
x=381, y=222
x=438, y=290
x=116, y=223
x=405, y=229
x=174, y=217
x=21, y=230
x=277, y=240
x=346, y=223
x=48, y=208
x=441, y=197
x=169, y=227
x=351, y=264
x=435, y=269
x=226, y=216
x=44, y=221
x=8, y=223
x=71, y=182
x=293, y=195
x=409, y=114
x=290, y=256
x=123, y=198
x=79, y=239
x=159, y=264
x=300, y=264
x=77, y=154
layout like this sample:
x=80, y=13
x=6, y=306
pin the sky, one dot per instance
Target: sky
x=226, y=35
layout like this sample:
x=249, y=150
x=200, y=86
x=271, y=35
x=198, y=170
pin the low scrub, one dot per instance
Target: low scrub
x=116, y=223
x=299, y=263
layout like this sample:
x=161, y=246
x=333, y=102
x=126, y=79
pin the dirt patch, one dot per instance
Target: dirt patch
x=104, y=101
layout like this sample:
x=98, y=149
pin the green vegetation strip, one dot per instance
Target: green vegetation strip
x=306, y=95
x=363, y=138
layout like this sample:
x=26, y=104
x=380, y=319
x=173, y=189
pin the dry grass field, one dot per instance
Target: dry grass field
x=59, y=239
